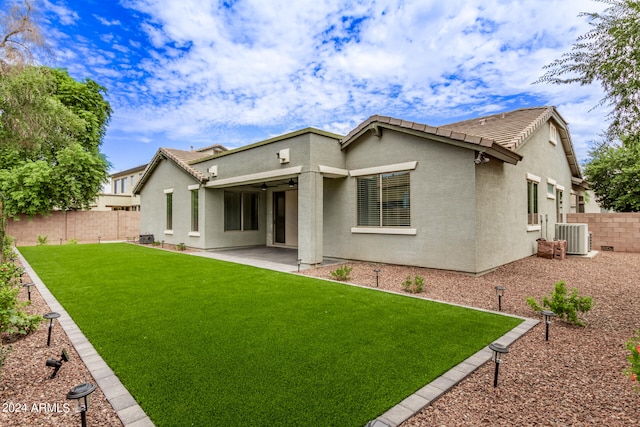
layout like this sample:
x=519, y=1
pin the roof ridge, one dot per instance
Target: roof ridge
x=531, y=127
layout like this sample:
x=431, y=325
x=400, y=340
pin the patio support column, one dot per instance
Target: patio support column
x=310, y=217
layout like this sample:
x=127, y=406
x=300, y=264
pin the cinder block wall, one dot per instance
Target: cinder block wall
x=611, y=231
x=83, y=226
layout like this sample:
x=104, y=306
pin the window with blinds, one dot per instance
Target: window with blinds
x=384, y=200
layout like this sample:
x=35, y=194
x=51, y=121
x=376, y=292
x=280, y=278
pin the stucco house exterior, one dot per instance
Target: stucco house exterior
x=468, y=196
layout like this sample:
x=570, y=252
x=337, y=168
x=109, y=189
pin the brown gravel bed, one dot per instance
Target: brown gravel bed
x=574, y=379
x=29, y=397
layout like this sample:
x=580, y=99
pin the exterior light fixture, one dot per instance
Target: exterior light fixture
x=61, y=241
x=500, y=293
x=377, y=271
x=57, y=364
x=498, y=350
x=263, y=187
x=51, y=316
x=299, y=262
x=547, y=321
x=81, y=394
x=28, y=286
x=292, y=183
x=99, y=237
x=162, y=244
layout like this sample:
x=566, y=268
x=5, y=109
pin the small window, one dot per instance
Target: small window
x=116, y=183
x=123, y=181
x=194, y=211
x=169, y=211
x=559, y=207
x=384, y=200
x=532, y=203
x=553, y=134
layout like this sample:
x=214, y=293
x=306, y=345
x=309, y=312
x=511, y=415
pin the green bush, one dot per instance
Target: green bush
x=633, y=371
x=414, y=286
x=72, y=242
x=181, y=247
x=43, y=240
x=565, y=307
x=342, y=273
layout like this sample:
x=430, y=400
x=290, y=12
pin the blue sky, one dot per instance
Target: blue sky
x=182, y=73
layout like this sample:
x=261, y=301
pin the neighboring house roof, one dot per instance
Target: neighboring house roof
x=129, y=171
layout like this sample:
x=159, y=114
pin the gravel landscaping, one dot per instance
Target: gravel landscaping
x=574, y=379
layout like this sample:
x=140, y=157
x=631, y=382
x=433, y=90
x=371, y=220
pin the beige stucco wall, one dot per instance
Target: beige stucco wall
x=442, y=205
x=502, y=234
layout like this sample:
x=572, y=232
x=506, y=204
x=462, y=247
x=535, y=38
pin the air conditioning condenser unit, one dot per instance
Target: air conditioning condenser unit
x=577, y=237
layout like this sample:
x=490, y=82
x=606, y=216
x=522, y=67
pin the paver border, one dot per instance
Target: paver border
x=126, y=407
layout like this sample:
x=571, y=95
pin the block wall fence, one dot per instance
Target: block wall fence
x=618, y=232
x=83, y=226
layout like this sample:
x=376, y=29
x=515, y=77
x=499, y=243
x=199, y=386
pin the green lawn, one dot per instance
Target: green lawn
x=204, y=342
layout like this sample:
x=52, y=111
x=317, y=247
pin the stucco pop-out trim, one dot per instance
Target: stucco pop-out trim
x=254, y=177
x=331, y=172
x=382, y=230
x=398, y=167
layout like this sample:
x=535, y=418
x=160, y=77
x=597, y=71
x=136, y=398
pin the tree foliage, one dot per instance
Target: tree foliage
x=608, y=53
x=51, y=129
x=613, y=173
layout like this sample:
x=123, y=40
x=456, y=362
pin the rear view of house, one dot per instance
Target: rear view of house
x=468, y=196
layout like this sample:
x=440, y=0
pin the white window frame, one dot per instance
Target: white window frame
x=554, y=136
x=166, y=193
x=379, y=172
x=535, y=180
x=551, y=188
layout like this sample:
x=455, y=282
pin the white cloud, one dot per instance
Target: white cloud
x=65, y=15
x=333, y=63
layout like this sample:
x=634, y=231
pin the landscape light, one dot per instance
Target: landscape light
x=498, y=350
x=376, y=271
x=51, y=316
x=299, y=262
x=28, y=286
x=57, y=364
x=500, y=293
x=81, y=394
x=547, y=321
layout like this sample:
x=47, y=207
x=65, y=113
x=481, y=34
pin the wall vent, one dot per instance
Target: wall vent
x=577, y=237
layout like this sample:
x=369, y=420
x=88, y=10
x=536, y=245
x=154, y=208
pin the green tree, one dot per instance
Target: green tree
x=608, y=53
x=51, y=130
x=613, y=173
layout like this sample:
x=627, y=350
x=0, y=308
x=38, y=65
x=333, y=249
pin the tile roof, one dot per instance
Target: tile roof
x=440, y=131
x=509, y=129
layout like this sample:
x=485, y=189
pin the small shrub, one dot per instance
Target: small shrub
x=414, y=286
x=181, y=246
x=156, y=243
x=4, y=352
x=565, y=307
x=72, y=242
x=342, y=273
x=633, y=371
x=43, y=240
